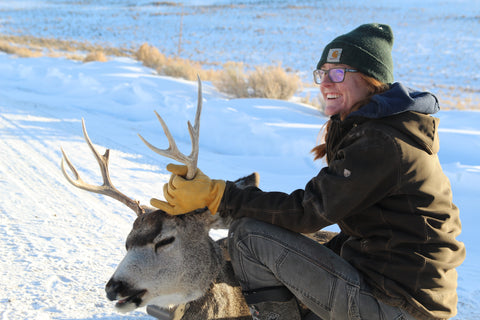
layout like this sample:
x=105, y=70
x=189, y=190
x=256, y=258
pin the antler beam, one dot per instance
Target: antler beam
x=107, y=187
x=172, y=151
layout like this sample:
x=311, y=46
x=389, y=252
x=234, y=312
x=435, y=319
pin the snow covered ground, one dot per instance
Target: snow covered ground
x=59, y=245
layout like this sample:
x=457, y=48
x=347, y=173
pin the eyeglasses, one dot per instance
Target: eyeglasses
x=335, y=75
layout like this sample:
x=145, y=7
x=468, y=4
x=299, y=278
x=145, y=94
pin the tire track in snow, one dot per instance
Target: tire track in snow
x=53, y=258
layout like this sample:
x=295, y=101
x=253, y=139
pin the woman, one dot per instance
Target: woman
x=396, y=254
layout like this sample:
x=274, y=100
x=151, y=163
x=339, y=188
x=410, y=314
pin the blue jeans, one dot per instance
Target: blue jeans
x=266, y=256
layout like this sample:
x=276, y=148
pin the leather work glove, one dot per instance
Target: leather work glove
x=184, y=195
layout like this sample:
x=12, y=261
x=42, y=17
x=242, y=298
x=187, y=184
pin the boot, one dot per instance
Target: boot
x=159, y=313
x=272, y=304
x=275, y=310
x=311, y=316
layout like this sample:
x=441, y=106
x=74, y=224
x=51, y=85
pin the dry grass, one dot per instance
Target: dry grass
x=181, y=68
x=150, y=56
x=169, y=66
x=233, y=78
x=262, y=82
x=266, y=82
x=456, y=103
x=272, y=83
x=18, y=50
x=96, y=56
x=56, y=47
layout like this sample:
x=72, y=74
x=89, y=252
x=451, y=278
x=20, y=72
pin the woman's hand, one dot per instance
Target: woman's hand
x=184, y=195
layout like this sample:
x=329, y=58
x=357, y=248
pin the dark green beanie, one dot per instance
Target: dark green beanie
x=368, y=49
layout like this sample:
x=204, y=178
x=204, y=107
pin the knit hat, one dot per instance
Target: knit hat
x=367, y=48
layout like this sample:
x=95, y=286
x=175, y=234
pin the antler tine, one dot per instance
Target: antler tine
x=172, y=151
x=195, y=130
x=107, y=187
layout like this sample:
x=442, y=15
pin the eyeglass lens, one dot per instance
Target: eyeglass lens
x=336, y=75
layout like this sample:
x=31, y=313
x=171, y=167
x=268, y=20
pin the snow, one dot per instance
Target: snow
x=59, y=245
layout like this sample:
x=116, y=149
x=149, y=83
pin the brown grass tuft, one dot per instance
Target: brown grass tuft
x=273, y=83
x=233, y=80
x=181, y=68
x=150, y=56
x=95, y=56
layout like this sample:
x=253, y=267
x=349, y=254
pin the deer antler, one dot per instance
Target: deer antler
x=107, y=187
x=172, y=151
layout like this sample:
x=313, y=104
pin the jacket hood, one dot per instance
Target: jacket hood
x=408, y=111
x=398, y=99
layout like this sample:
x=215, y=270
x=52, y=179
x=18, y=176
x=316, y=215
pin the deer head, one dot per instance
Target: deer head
x=170, y=260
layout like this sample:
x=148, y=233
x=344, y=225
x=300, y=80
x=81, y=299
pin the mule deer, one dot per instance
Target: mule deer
x=171, y=261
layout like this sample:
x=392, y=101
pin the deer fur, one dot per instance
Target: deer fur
x=174, y=264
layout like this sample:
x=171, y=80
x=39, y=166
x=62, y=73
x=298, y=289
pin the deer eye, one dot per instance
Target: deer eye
x=164, y=242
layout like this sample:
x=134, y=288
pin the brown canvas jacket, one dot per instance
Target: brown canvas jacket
x=386, y=190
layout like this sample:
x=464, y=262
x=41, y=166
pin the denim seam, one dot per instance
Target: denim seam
x=353, y=307
x=305, y=294
x=328, y=306
x=293, y=250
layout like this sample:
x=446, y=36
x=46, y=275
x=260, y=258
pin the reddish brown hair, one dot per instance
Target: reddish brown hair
x=374, y=87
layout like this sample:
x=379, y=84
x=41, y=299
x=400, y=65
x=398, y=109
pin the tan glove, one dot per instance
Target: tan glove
x=187, y=195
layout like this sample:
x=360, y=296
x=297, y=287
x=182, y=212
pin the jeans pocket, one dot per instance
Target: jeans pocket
x=315, y=284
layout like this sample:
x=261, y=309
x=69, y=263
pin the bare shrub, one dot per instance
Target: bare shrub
x=267, y=82
x=181, y=68
x=233, y=80
x=174, y=67
x=272, y=82
x=95, y=56
x=150, y=56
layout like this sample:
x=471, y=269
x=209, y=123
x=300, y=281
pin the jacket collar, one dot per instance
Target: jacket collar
x=398, y=99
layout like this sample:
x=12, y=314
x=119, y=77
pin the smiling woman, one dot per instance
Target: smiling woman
x=396, y=255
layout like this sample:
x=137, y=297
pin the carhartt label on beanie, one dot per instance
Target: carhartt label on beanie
x=334, y=55
x=367, y=48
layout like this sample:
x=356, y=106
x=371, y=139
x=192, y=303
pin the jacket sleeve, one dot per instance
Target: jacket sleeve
x=365, y=169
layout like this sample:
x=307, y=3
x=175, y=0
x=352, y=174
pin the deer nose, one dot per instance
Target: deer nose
x=113, y=288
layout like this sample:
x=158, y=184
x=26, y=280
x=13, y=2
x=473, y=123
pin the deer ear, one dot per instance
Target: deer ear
x=252, y=179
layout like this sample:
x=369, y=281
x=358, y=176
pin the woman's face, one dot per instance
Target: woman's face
x=341, y=96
